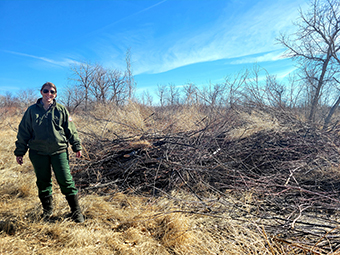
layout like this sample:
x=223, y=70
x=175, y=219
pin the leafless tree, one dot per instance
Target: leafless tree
x=161, y=93
x=119, y=90
x=276, y=91
x=72, y=97
x=146, y=98
x=190, y=92
x=173, y=95
x=333, y=108
x=254, y=94
x=214, y=95
x=83, y=76
x=28, y=97
x=100, y=86
x=234, y=86
x=9, y=100
x=315, y=46
x=130, y=82
x=294, y=90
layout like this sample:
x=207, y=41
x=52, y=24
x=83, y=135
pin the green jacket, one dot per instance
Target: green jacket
x=47, y=132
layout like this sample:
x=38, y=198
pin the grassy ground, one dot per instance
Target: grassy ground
x=122, y=223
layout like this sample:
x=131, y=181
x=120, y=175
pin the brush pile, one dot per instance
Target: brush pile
x=291, y=171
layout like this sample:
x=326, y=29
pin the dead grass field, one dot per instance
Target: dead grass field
x=122, y=222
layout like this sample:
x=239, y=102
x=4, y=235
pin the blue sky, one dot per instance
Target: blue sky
x=171, y=41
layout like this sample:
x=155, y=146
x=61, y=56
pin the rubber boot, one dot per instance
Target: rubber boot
x=47, y=204
x=76, y=214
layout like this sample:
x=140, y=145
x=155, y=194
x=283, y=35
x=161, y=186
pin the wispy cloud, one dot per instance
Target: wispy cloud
x=124, y=18
x=150, y=7
x=286, y=73
x=65, y=62
x=271, y=56
x=252, y=32
x=8, y=88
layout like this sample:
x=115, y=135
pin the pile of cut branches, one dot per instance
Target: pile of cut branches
x=292, y=173
x=268, y=161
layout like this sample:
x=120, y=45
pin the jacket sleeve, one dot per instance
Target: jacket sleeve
x=24, y=134
x=71, y=132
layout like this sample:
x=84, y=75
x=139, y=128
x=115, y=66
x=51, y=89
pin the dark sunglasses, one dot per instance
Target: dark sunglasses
x=46, y=91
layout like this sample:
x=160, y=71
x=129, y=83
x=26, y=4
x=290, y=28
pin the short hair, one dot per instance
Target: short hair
x=49, y=84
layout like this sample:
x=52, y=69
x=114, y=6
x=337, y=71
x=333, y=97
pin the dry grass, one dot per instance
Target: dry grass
x=122, y=223
x=253, y=123
x=110, y=122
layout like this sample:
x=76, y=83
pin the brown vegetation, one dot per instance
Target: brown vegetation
x=184, y=180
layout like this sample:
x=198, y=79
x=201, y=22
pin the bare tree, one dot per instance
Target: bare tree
x=173, y=95
x=100, y=85
x=119, y=90
x=84, y=78
x=315, y=47
x=190, y=94
x=130, y=82
x=161, y=93
x=333, y=108
x=9, y=100
x=28, y=97
x=233, y=87
x=276, y=91
x=146, y=98
x=214, y=95
x=72, y=97
x=253, y=92
x=294, y=91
